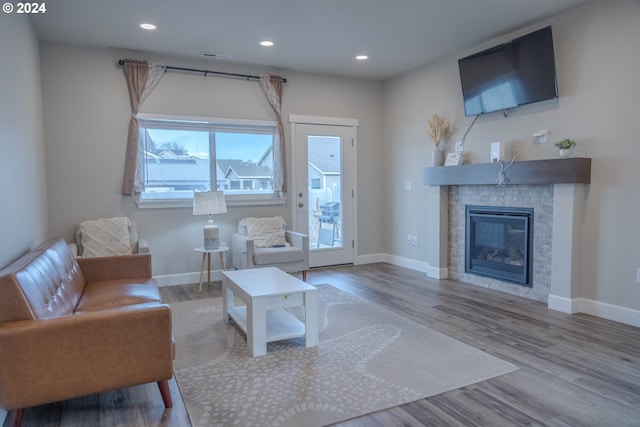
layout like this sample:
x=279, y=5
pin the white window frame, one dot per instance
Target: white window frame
x=233, y=198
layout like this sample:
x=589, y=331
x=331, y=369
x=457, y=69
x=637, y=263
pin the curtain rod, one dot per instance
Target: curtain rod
x=205, y=72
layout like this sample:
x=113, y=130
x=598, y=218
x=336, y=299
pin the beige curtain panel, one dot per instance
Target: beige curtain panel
x=272, y=86
x=142, y=77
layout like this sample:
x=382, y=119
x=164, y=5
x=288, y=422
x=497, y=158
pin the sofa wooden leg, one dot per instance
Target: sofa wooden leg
x=18, y=414
x=304, y=276
x=166, y=393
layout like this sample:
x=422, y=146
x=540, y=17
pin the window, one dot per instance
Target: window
x=185, y=154
x=316, y=183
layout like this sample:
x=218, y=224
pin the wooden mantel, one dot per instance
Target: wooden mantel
x=551, y=171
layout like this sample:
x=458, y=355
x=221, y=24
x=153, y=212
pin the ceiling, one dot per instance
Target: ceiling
x=318, y=36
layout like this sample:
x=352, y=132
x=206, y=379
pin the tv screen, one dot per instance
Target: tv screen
x=519, y=72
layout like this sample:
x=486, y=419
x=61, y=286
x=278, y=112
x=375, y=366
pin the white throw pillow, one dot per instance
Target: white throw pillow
x=105, y=237
x=266, y=232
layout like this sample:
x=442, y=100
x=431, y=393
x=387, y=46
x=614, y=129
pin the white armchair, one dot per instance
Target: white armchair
x=108, y=237
x=264, y=242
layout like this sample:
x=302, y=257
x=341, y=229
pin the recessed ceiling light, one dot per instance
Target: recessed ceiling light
x=266, y=43
x=147, y=26
x=362, y=57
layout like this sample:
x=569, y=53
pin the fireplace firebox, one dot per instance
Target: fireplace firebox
x=498, y=243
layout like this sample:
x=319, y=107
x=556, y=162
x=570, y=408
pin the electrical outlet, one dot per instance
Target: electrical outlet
x=414, y=240
x=459, y=146
x=497, y=152
x=541, y=136
x=409, y=238
x=408, y=185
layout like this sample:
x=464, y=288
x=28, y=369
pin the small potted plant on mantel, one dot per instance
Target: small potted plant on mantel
x=565, y=146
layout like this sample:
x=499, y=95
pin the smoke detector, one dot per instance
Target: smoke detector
x=212, y=55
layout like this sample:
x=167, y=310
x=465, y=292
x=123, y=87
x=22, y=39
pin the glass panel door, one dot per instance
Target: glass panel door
x=324, y=192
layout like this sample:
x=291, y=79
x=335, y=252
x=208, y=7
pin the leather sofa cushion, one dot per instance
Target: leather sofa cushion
x=44, y=283
x=72, y=327
x=117, y=293
x=262, y=256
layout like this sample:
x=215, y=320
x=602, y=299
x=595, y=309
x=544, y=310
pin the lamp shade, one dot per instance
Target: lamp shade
x=209, y=203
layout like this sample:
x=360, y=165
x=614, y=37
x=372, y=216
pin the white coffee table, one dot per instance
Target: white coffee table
x=266, y=293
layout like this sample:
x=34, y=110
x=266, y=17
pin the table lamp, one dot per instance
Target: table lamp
x=210, y=203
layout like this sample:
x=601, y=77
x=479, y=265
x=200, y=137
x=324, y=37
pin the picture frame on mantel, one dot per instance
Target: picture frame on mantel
x=453, y=158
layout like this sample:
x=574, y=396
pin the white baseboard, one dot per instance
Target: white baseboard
x=369, y=259
x=438, y=273
x=186, y=278
x=603, y=310
x=608, y=311
x=600, y=309
x=565, y=305
x=424, y=267
x=407, y=263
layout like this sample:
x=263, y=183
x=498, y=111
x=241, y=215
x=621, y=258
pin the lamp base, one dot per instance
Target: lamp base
x=211, y=236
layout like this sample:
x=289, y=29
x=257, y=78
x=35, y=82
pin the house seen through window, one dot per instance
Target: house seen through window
x=183, y=156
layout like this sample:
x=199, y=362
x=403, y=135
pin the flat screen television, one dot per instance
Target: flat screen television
x=515, y=73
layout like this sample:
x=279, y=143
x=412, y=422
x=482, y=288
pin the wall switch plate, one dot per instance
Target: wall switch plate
x=407, y=186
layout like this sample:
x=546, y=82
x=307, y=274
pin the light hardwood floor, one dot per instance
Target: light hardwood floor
x=575, y=370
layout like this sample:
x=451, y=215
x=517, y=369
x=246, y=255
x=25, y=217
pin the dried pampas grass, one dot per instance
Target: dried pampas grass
x=438, y=129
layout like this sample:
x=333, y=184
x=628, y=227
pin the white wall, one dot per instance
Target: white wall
x=86, y=110
x=23, y=217
x=86, y=113
x=597, y=62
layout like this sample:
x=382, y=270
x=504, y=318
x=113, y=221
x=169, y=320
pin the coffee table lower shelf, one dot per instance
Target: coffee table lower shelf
x=281, y=325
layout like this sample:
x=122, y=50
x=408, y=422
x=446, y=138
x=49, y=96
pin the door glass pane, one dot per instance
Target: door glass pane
x=325, y=191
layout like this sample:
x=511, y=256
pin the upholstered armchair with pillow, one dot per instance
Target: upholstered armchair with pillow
x=265, y=242
x=108, y=237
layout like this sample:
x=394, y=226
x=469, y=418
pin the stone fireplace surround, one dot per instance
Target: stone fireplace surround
x=538, y=197
x=555, y=190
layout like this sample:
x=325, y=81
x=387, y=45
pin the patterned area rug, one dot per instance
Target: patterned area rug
x=368, y=359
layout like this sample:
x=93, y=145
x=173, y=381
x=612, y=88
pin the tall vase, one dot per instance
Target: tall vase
x=436, y=155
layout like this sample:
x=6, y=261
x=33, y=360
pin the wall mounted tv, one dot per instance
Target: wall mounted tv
x=515, y=73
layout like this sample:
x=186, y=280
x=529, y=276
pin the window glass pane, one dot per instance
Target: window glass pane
x=176, y=160
x=245, y=161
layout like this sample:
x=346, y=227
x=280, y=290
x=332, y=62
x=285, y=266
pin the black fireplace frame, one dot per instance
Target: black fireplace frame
x=521, y=275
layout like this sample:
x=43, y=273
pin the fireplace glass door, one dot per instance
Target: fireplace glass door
x=498, y=243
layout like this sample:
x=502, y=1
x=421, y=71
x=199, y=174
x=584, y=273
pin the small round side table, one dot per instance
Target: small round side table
x=206, y=255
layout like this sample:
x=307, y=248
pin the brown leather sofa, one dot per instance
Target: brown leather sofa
x=72, y=327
